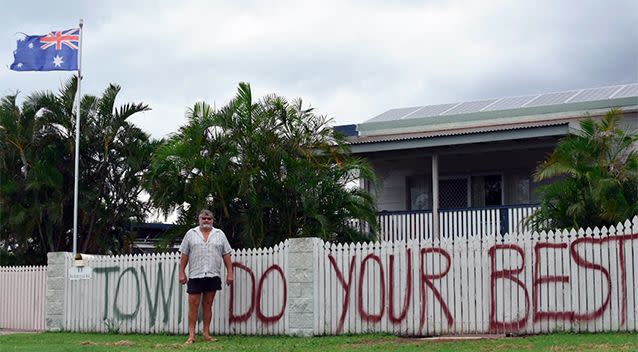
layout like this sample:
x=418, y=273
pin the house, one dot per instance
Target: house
x=148, y=237
x=466, y=168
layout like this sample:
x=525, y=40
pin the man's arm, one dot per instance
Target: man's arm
x=182, y=269
x=229, y=269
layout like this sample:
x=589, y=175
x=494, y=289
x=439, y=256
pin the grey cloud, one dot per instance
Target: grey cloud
x=352, y=63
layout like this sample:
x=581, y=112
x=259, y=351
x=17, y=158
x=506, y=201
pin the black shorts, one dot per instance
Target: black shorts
x=203, y=284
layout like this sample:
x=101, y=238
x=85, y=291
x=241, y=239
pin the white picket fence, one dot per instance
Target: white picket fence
x=584, y=280
x=524, y=283
x=141, y=293
x=23, y=292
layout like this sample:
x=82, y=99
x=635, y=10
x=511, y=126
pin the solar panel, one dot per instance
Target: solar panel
x=510, y=103
x=551, y=98
x=573, y=96
x=394, y=114
x=630, y=90
x=469, y=107
x=594, y=94
x=430, y=110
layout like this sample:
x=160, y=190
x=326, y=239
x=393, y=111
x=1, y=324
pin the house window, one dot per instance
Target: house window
x=493, y=190
x=519, y=189
x=419, y=193
x=453, y=193
x=479, y=191
x=487, y=190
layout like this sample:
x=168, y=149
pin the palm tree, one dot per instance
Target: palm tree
x=115, y=156
x=37, y=170
x=270, y=170
x=594, y=177
x=20, y=169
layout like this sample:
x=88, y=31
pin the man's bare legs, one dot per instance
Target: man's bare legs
x=193, y=307
x=209, y=297
x=193, y=310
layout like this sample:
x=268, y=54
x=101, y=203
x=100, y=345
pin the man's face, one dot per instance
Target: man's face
x=206, y=222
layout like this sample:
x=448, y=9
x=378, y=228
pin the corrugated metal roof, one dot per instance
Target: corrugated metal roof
x=455, y=131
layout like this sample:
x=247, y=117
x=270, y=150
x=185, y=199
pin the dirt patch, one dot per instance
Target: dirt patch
x=368, y=343
x=169, y=345
x=118, y=343
x=455, y=338
x=178, y=346
x=10, y=331
x=428, y=340
x=595, y=347
x=500, y=345
x=507, y=347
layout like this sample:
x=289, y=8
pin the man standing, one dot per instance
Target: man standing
x=203, y=249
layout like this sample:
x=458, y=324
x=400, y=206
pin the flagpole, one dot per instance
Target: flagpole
x=77, y=147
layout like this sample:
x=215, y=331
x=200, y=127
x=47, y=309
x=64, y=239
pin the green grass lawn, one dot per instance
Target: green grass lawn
x=156, y=343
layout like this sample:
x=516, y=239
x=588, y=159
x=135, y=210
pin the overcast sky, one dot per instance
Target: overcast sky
x=349, y=60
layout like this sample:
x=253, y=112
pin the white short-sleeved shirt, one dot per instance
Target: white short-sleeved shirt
x=205, y=257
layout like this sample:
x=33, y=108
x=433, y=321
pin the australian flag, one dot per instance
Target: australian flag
x=56, y=51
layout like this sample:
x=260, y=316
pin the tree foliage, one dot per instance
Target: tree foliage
x=37, y=146
x=594, y=177
x=269, y=170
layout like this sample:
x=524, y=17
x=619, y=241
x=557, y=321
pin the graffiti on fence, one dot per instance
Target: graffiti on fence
x=152, y=303
x=539, y=280
x=426, y=280
x=514, y=275
x=255, y=296
x=161, y=294
x=424, y=286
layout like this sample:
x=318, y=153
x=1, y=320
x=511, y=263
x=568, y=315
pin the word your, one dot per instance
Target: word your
x=428, y=290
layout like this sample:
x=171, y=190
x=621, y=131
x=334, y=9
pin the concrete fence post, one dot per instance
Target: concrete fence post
x=302, y=288
x=56, y=279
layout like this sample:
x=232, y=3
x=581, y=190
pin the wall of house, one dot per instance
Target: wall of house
x=392, y=174
x=630, y=122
